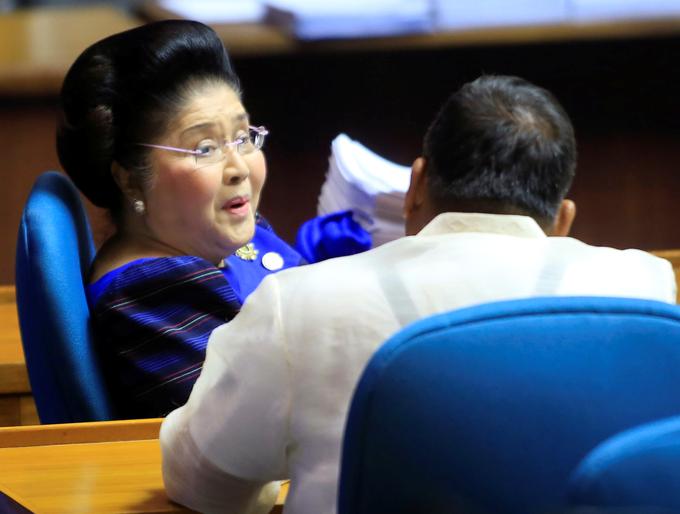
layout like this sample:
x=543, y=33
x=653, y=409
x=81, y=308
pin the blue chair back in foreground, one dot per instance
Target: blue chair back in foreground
x=636, y=471
x=488, y=409
x=54, y=252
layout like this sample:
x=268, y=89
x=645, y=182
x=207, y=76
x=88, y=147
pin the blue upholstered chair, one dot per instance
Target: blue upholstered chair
x=637, y=471
x=489, y=409
x=54, y=251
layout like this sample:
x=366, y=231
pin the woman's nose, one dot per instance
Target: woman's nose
x=235, y=167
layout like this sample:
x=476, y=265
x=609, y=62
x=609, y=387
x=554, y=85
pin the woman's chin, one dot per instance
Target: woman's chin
x=237, y=239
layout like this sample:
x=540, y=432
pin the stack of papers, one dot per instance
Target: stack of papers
x=462, y=15
x=609, y=10
x=311, y=19
x=216, y=11
x=314, y=19
x=371, y=186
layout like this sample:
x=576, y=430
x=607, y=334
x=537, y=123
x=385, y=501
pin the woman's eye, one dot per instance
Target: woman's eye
x=206, y=148
x=242, y=138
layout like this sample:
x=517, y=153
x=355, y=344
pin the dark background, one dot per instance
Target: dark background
x=621, y=96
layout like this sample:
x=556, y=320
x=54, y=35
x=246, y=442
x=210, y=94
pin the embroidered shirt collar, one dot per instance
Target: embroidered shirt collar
x=506, y=224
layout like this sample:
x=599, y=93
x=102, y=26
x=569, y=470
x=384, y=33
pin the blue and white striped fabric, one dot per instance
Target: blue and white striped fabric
x=152, y=320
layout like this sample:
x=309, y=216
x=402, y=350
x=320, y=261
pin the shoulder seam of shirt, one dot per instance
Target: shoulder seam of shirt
x=286, y=353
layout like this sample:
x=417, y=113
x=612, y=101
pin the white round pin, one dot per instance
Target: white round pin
x=272, y=261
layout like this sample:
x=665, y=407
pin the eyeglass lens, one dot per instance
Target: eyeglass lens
x=244, y=145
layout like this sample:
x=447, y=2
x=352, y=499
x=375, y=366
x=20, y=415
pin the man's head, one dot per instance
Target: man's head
x=499, y=145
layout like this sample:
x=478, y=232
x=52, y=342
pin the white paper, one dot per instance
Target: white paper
x=595, y=10
x=368, y=184
x=466, y=14
x=217, y=11
x=312, y=19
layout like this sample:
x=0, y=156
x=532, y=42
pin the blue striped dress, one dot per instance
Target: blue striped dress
x=152, y=319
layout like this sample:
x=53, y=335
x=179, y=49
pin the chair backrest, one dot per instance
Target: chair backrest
x=489, y=409
x=637, y=470
x=54, y=252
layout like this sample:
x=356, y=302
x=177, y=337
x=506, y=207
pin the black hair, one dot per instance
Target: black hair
x=124, y=90
x=503, y=145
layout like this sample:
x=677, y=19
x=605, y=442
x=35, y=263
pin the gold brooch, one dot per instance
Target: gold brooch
x=247, y=252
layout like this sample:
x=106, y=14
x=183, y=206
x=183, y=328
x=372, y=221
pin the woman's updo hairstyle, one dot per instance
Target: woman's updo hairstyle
x=124, y=90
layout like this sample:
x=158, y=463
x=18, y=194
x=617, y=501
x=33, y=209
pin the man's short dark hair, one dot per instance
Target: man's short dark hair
x=504, y=145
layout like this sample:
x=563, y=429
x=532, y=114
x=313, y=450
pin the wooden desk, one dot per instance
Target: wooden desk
x=16, y=403
x=109, y=467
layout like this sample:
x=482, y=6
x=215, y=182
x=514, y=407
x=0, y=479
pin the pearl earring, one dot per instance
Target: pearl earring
x=138, y=206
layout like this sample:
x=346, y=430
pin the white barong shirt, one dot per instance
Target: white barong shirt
x=277, y=381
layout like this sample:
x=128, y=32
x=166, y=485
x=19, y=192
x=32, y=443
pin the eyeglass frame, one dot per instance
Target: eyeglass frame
x=261, y=131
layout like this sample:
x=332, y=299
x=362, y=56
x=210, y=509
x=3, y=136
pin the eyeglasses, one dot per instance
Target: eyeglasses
x=211, y=152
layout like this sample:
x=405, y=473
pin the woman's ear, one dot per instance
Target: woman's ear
x=125, y=182
x=564, y=219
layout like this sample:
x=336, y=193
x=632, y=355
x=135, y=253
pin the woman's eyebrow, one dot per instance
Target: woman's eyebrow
x=200, y=126
x=242, y=116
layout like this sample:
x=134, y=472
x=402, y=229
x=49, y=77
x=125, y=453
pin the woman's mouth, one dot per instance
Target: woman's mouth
x=238, y=206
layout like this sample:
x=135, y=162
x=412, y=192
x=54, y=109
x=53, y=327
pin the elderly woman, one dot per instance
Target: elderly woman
x=153, y=129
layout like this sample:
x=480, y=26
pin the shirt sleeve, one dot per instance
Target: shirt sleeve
x=230, y=439
x=672, y=281
x=660, y=279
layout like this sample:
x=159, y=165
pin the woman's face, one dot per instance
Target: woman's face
x=205, y=210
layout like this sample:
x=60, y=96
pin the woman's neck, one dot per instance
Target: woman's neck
x=124, y=247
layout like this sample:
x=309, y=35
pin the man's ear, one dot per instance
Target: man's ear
x=564, y=219
x=415, y=195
